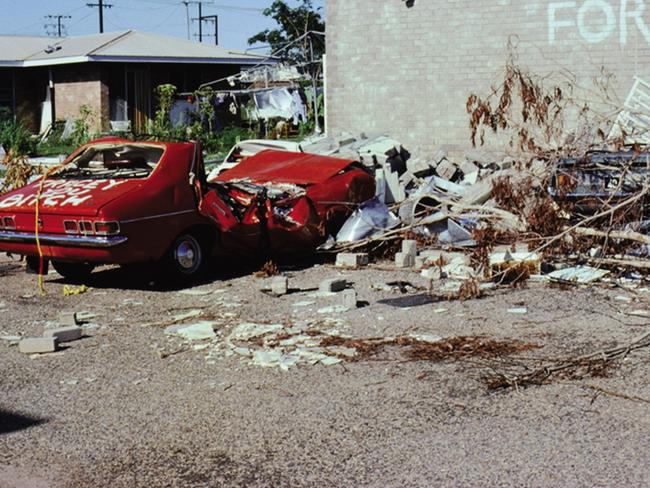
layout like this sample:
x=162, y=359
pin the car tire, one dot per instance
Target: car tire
x=185, y=260
x=73, y=271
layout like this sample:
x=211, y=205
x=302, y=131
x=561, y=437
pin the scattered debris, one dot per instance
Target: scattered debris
x=518, y=310
x=430, y=348
x=597, y=364
x=581, y=275
x=65, y=334
x=333, y=285
x=349, y=299
x=74, y=290
x=69, y=319
x=193, y=332
x=267, y=270
x=279, y=285
x=351, y=260
x=38, y=345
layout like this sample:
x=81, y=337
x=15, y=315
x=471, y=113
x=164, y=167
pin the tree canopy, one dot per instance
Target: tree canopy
x=293, y=22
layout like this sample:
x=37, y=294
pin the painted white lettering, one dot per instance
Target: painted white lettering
x=595, y=37
x=112, y=184
x=51, y=200
x=74, y=201
x=637, y=15
x=554, y=23
x=12, y=200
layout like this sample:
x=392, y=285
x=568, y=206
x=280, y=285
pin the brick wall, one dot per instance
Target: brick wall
x=409, y=71
x=77, y=85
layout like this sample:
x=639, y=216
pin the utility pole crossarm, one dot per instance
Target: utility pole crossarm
x=58, y=25
x=202, y=18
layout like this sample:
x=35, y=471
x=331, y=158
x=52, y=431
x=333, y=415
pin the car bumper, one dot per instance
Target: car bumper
x=62, y=240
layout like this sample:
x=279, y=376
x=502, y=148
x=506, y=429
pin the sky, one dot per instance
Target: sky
x=238, y=19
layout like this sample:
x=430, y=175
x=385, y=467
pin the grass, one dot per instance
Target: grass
x=45, y=149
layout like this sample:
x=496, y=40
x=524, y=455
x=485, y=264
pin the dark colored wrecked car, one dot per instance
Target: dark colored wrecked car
x=600, y=177
x=116, y=201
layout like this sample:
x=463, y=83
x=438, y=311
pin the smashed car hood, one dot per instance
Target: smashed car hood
x=286, y=167
x=68, y=196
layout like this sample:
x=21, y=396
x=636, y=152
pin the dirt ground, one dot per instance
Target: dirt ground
x=129, y=406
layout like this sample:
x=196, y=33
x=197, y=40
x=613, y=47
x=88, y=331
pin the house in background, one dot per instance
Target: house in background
x=44, y=79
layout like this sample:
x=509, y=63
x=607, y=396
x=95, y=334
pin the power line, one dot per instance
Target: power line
x=57, y=25
x=81, y=20
x=23, y=28
x=101, y=6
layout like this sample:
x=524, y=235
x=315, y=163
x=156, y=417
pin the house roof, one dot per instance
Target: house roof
x=126, y=46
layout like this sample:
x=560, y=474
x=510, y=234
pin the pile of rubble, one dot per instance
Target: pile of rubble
x=486, y=213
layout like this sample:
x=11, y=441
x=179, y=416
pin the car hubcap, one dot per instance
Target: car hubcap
x=187, y=255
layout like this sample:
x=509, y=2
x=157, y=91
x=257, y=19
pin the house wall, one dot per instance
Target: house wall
x=77, y=85
x=409, y=71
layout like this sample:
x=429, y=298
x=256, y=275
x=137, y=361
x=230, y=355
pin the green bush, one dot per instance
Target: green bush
x=16, y=139
x=221, y=142
x=81, y=132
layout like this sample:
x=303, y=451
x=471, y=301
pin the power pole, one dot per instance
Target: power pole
x=215, y=20
x=101, y=5
x=58, y=25
x=200, y=22
x=187, y=16
x=200, y=18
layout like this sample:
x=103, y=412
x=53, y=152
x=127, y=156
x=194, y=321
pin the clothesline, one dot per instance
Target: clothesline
x=270, y=57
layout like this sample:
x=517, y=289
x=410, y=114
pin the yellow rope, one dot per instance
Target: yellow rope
x=41, y=261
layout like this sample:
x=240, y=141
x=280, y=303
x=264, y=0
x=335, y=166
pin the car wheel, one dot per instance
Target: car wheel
x=73, y=271
x=186, y=257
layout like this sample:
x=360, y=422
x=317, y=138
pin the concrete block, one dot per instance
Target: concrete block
x=279, y=285
x=404, y=260
x=410, y=247
x=395, y=191
x=65, y=334
x=380, y=185
x=36, y=345
x=419, y=167
x=471, y=178
x=440, y=155
x=351, y=260
x=432, y=273
x=333, y=285
x=405, y=211
x=446, y=170
x=406, y=179
x=467, y=168
x=478, y=193
x=349, y=298
x=68, y=319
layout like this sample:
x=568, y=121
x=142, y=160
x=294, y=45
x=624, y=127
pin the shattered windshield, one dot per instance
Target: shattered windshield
x=113, y=161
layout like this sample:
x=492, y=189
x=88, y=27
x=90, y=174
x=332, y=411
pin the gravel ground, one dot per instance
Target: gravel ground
x=128, y=406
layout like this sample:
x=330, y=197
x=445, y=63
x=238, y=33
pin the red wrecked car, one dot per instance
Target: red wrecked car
x=115, y=201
